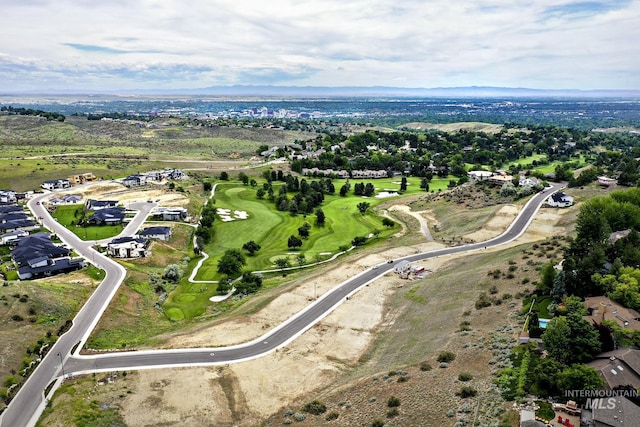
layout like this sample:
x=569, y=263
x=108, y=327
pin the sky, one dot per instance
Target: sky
x=120, y=45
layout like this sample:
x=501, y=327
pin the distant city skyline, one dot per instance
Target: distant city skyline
x=83, y=45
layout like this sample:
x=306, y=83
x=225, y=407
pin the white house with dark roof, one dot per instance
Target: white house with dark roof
x=559, y=200
x=129, y=247
x=157, y=232
x=54, y=184
x=12, y=236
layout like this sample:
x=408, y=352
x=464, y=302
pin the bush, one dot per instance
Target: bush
x=493, y=290
x=483, y=301
x=377, y=423
x=467, y=391
x=332, y=416
x=392, y=412
x=424, y=366
x=315, y=407
x=299, y=417
x=465, y=376
x=446, y=356
x=393, y=402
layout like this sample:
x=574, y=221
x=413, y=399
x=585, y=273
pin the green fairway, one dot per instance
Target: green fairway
x=271, y=229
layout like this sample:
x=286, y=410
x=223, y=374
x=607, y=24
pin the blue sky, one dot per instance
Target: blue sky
x=170, y=44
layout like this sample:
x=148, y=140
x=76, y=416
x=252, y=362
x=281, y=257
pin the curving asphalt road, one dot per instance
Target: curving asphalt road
x=29, y=403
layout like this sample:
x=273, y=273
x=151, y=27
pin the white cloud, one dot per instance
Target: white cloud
x=173, y=44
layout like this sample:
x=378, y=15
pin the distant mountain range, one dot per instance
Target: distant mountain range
x=359, y=91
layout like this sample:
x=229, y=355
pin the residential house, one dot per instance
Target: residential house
x=10, y=208
x=54, y=184
x=529, y=181
x=369, y=173
x=402, y=267
x=107, y=216
x=499, y=179
x=157, y=232
x=602, y=308
x=559, y=200
x=11, y=221
x=95, y=205
x=170, y=214
x=617, y=235
x=82, y=178
x=621, y=412
x=325, y=172
x=134, y=180
x=606, y=181
x=477, y=176
x=50, y=267
x=12, y=236
x=129, y=247
x=67, y=199
x=36, y=246
x=12, y=216
x=8, y=196
x=619, y=367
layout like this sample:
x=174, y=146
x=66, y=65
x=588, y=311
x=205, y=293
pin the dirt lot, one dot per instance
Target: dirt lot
x=116, y=191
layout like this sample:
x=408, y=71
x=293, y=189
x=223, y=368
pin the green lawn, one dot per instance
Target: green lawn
x=69, y=216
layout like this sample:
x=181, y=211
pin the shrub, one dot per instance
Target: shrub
x=450, y=413
x=446, y=356
x=392, y=412
x=424, y=366
x=332, y=416
x=393, y=402
x=466, y=391
x=403, y=379
x=493, y=290
x=299, y=416
x=464, y=326
x=377, y=423
x=465, y=376
x=315, y=407
x=444, y=365
x=482, y=301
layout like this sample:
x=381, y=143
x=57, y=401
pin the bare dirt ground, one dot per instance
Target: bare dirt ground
x=253, y=390
x=116, y=191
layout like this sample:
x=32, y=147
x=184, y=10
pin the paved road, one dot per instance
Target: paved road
x=29, y=403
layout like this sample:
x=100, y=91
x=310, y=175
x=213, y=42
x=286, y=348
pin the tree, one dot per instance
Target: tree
x=320, y=218
x=244, y=178
x=388, y=222
x=253, y=182
x=172, y=273
x=260, y=193
x=301, y=259
x=363, y=207
x=548, y=276
x=294, y=242
x=249, y=284
x=231, y=263
x=303, y=232
x=424, y=184
x=207, y=186
x=359, y=241
x=224, y=176
x=344, y=190
x=281, y=262
x=403, y=184
x=251, y=247
x=571, y=339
